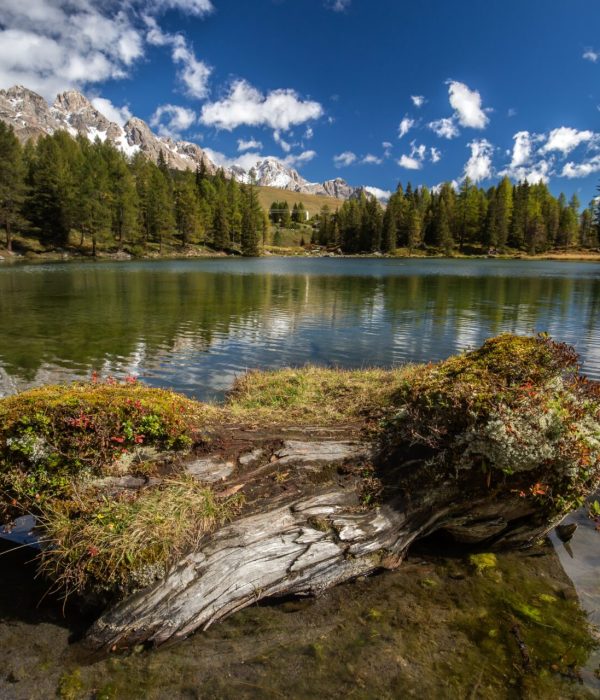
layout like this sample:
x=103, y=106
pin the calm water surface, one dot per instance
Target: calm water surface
x=196, y=325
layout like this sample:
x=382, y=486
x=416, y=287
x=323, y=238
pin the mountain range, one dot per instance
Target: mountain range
x=31, y=117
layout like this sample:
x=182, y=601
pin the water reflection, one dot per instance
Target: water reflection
x=195, y=325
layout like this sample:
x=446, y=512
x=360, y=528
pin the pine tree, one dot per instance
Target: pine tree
x=252, y=220
x=187, y=215
x=388, y=237
x=12, y=183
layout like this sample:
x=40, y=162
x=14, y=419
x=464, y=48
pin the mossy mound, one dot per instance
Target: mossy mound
x=515, y=408
x=51, y=435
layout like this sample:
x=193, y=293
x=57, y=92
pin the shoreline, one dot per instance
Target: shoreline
x=199, y=253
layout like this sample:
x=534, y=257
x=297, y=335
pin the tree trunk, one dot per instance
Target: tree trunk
x=307, y=526
x=8, y=236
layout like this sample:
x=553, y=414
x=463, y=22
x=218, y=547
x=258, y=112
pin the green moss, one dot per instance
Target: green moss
x=483, y=562
x=70, y=685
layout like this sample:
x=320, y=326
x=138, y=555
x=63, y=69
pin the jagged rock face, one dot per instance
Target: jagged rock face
x=31, y=117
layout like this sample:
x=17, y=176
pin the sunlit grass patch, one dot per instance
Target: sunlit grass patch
x=315, y=395
x=126, y=542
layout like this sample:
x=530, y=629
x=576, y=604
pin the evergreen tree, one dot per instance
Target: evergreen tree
x=12, y=183
x=388, y=237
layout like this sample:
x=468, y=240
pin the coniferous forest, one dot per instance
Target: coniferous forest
x=62, y=190
x=523, y=217
x=65, y=191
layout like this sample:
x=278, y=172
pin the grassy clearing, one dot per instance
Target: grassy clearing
x=313, y=395
x=313, y=203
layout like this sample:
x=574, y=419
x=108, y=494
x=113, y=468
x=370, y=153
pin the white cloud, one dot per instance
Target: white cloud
x=591, y=55
x=531, y=173
x=345, y=159
x=414, y=161
x=194, y=74
x=387, y=149
x=479, y=165
x=467, y=105
x=171, y=120
x=418, y=100
x=405, y=126
x=118, y=115
x=382, y=195
x=338, y=5
x=297, y=160
x=245, y=105
x=522, y=148
x=284, y=145
x=250, y=145
x=444, y=128
x=55, y=45
x=370, y=159
x=565, y=139
x=588, y=167
x=436, y=155
x=191, y=7
x=309, y=133
x=410, y=163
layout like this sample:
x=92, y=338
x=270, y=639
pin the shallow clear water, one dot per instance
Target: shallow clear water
x=433, y=630
x=196, y=325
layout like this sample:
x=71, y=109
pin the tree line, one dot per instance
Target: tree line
x=522, y=216
x=64, y=191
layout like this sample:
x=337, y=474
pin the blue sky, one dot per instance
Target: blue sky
x=374, y=91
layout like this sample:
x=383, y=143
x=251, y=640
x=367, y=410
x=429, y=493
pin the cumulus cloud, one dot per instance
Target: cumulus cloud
x=467, y=105
x=309, y=133
x=370, y=159
x=444, y=128
x=436, y=155
x=405, y=126
x=415, y=160
x=381, y=195
x=250, y=145
x=118, y=115
x=565, y=139
x=591, y=55
x=479, y=165
x=297, y=160
x=587, y=167
x=522, y=147
x=418, y=100
x=345, y=159
x=245, y=105
x=172, y=120
x=54, y=45
x=192, y=73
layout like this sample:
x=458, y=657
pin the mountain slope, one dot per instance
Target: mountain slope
x=31, y=117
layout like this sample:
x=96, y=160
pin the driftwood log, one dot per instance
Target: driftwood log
x=489, y=448
x=307, y=527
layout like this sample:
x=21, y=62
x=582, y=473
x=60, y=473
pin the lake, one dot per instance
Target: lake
x=196, y=325
x=431, y=629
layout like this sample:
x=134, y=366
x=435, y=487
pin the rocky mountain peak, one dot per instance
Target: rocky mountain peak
x=72, y=101
x=31, y=117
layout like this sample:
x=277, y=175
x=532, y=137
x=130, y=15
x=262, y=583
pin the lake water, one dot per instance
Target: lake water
x=432, y=629
x=196, y=325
